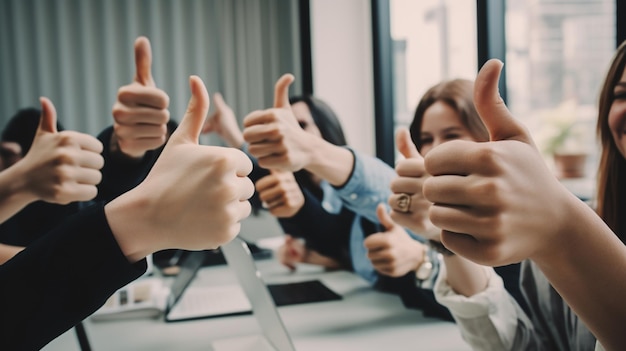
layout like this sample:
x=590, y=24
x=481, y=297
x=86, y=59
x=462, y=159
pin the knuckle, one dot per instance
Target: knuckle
x=485, y=189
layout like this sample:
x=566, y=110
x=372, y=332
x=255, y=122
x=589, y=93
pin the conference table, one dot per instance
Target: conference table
x=364, y=319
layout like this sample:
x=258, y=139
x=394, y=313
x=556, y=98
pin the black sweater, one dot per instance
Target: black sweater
x=60, y=279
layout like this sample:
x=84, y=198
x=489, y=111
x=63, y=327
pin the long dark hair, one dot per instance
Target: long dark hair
x=611, y=194
x=327, y=122
x=458, y=94
x=22, y=128
x=324, y=117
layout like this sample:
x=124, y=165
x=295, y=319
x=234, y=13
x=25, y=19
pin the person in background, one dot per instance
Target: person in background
x=130, y=147
x=314, y=234
x=284, y=139
x=445, y=112
x=573, y=258
x=193, y=198
x=55, y=169
x=141, y=127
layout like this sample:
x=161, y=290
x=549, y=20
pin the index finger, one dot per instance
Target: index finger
x=460, y=157
x=85, y=141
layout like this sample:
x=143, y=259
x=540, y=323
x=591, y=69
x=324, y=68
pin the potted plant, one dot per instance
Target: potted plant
x=565, y=138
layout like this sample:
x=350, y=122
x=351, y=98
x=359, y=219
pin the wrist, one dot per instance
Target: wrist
x=116, y=149
x=313, y=155
x=330, y=162
x=233, y=139
x=237, y=142
x=125, y=219
x=424, y=268
x=551, y=250
x=15, y=186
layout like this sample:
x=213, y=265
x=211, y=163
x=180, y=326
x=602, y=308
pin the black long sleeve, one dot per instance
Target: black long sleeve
x=324, y=232
x=60, y=279
x=121, y=173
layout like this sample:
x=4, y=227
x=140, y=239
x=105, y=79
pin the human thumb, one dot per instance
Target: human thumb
x=48, y=119
x=219, y=102
x=281, y=90
x=143, y=62
x=383, y=217
x=189, y=129
x=491, y=108
x=405, y=145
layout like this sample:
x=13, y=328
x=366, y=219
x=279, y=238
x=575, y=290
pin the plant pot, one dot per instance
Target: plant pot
x=570, y=165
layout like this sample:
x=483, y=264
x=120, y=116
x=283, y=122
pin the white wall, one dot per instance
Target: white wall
x=341, y=45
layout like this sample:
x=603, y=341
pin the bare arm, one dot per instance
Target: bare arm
x=464, y=276
x=587, y=269
x=8, y=251
x=278, y=142
x=224, y=123
x=498, y=203
x=193, y=198
x=60, y=167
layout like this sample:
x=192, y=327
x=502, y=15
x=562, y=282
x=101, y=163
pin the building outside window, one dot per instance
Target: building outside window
x=433, y=40
x=557, y=53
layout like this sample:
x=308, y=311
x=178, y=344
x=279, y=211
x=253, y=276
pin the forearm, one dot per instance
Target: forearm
x=233, y=137
x=13, y=196
x=61, y=279
x=330, y=162
x=8, y=251
x=465, y=277
x=587, y=270
x=127, y=230
x=114, y=148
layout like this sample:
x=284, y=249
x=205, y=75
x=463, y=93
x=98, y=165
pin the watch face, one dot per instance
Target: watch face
x=424, y=271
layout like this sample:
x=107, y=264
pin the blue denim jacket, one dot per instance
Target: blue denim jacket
x=367, y=186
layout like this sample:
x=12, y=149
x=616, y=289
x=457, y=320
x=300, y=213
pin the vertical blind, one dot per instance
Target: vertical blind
x=79, y=52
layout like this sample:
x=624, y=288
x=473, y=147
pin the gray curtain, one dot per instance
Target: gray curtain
x=79, y=52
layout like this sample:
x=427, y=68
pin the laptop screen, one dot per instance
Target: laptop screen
x=240, y=260
x=188, y=269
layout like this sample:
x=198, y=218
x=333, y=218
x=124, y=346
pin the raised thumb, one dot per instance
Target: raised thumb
x=219, y=102
x=405, y=145
x=281, y=90
x=48, y=119
x=189, y=129
x=143, y=62
x=491, y=108
x=383, y=217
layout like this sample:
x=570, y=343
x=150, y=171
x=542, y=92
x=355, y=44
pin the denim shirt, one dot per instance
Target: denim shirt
x=367, y=186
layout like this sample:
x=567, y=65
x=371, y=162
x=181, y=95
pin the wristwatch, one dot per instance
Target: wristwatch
x=425, y=269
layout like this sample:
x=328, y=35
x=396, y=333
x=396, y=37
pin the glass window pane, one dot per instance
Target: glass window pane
x=433, y=40
x=557, y=54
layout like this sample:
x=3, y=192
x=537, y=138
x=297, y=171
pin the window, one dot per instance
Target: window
x=557, y=53
x=433, y=40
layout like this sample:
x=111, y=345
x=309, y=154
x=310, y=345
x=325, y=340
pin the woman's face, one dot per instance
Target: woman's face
x=617, y=115
x=441, y=123
x=305, y=119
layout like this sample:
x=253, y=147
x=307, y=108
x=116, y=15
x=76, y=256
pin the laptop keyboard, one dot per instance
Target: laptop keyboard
x=210, y=301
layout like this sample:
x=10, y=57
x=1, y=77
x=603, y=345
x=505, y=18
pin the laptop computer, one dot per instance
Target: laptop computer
x=274, y=334
x=149, y=297
x=186, y=302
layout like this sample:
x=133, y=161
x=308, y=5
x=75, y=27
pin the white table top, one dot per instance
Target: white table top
x=364, y=319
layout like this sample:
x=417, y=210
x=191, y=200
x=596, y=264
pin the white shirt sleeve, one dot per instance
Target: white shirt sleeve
x=487, y=320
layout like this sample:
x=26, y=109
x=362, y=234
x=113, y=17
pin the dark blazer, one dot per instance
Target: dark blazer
x=60, y=279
